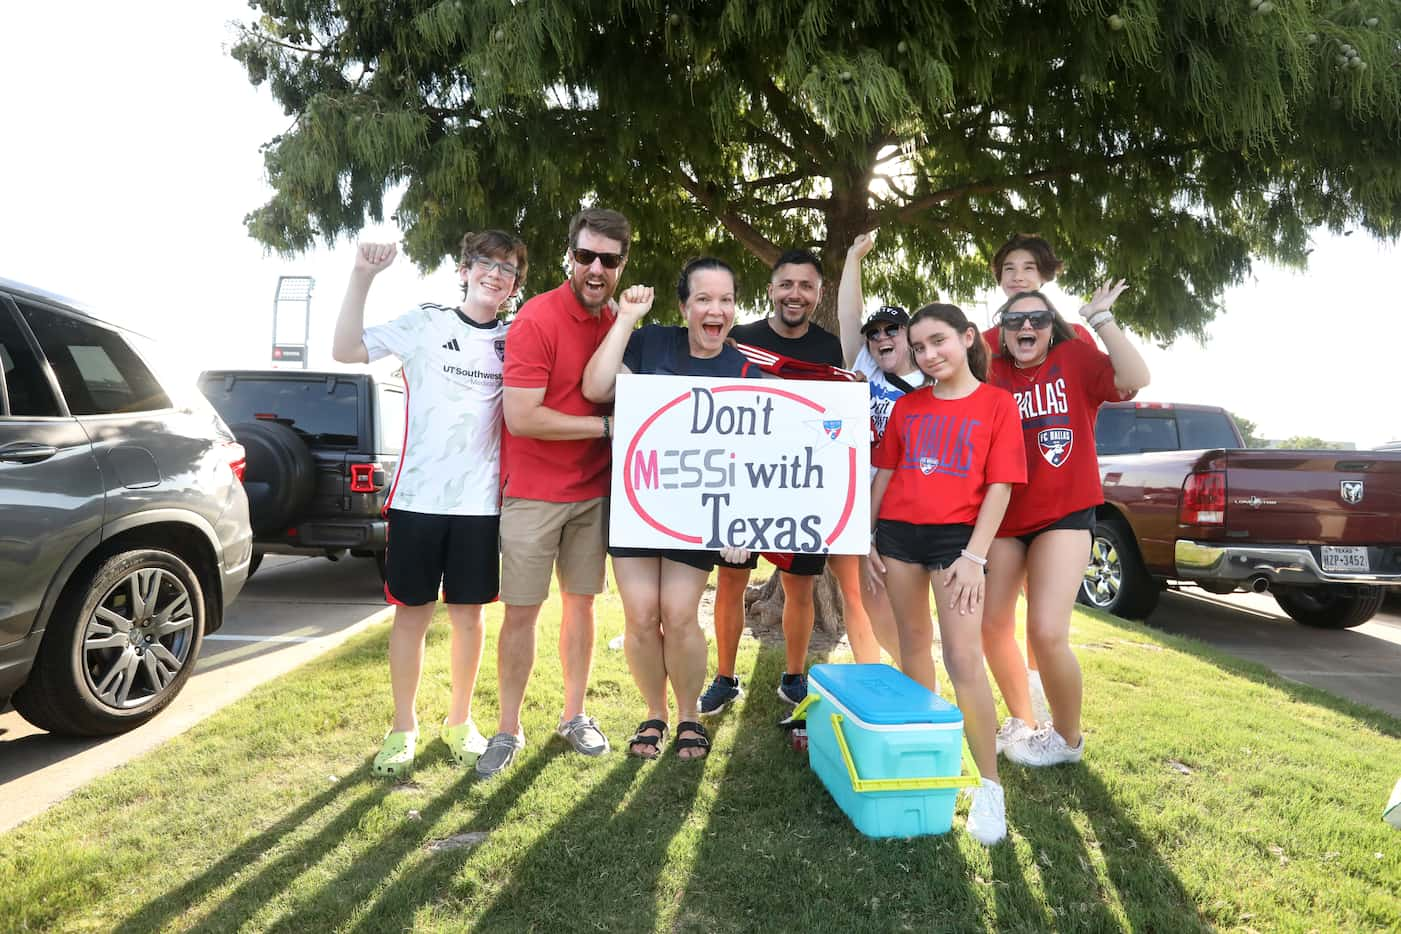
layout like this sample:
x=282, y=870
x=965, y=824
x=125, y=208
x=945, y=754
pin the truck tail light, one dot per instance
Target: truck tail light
x=362, y=478
x=238, y=459
x=1203, y=499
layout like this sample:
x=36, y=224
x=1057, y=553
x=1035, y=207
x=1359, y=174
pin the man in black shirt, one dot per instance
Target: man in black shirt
x=795, y=288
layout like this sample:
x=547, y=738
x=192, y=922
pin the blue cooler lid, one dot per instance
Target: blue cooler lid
x=881, y=695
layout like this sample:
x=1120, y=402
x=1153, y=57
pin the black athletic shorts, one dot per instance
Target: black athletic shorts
x=933, y=546
x=700, y=560
x=804, y=565
x=427, y=552
x=1084, y=519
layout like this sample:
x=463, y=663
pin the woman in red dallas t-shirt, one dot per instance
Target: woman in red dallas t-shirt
x=1024, y=263
x=1059, y=383
x=945, y=469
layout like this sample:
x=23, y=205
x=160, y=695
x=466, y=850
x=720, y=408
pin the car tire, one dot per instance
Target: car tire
x=1115, y=579
x=1337, y=606
x=120, y=645
x=254, y=563
x=280, y=475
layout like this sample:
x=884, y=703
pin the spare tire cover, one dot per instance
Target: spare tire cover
x=280, y=475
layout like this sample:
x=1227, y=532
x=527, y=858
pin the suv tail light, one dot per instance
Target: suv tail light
x=1203, y=499
x=238, y=459
x=362, y=478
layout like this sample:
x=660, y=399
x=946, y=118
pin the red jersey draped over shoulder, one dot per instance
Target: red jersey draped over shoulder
x=550, y=342
x=1057, y=402
x=943, y=453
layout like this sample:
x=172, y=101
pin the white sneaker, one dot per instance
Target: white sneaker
x=1039, y=708
x=1013, y=730
x=987, y=816
x=1045, y=747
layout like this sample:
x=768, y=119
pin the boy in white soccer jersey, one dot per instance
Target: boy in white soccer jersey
x=444, y=507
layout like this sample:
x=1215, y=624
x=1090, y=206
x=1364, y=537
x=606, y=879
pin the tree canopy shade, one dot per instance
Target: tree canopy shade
x=1167, y=141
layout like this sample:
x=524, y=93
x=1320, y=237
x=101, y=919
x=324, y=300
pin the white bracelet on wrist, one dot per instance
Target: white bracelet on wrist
x=979, y=561
x=1100, y=320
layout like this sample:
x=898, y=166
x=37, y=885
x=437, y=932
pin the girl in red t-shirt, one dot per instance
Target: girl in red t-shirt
x=1059, y=383
x=1024, y=263
x=945, y=469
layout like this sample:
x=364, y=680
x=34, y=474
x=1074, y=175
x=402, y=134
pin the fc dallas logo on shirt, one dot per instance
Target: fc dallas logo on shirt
x=1055, y=444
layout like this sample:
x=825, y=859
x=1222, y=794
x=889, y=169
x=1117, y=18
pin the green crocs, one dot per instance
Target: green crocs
x=395, y=758
x=465, y=742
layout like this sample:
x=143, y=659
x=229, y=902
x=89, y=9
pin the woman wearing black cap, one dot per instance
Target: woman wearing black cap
x=879, y=349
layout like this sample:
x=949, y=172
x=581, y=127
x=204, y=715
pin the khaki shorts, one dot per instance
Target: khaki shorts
x=539, y=536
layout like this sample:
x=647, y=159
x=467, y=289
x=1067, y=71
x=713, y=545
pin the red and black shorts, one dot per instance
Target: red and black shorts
x=803, y=564
x=459, y=555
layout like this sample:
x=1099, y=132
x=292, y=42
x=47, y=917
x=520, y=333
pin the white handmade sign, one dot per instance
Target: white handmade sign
x=764, y=464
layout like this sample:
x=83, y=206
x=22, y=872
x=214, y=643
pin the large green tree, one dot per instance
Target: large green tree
x=1169, y=141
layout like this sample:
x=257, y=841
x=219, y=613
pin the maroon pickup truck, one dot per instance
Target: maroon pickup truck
x=1186, y=502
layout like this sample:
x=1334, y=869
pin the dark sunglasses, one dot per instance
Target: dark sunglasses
x=586, y=257
x=890, y=330
x=1040, y=320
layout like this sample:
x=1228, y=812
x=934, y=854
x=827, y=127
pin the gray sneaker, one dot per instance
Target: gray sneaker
x=583, y=734
x=500, y=752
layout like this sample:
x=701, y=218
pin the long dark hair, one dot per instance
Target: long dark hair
x=954, y=317
x=1060, y=328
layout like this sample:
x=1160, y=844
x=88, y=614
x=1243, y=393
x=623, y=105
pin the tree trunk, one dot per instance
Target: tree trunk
x=763, y=604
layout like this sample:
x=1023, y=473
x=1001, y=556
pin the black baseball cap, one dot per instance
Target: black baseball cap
x=886, y=314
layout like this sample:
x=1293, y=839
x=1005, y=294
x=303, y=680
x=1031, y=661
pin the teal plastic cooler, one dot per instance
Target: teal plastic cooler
x=888, y=749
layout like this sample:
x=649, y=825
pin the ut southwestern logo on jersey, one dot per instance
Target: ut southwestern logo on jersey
x=499, y=345
x=1055, y=444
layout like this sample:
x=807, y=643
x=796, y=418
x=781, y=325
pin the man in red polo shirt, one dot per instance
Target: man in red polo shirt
x=555, y=478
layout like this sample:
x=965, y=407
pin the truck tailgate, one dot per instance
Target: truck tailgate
x=1314, y=497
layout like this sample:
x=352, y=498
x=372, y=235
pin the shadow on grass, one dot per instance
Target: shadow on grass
x=335, y=902
x=777, y=851
x=601, y=864
x=1254, y=671
x=272, y=876
x=1147, y=890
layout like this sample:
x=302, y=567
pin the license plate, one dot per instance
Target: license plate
x=1339, y=558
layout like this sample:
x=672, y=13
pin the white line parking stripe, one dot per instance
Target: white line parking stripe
x=1342, y=674
x=229, y=637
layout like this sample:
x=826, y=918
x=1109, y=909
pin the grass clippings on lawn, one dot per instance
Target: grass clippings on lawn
x=1213, y=795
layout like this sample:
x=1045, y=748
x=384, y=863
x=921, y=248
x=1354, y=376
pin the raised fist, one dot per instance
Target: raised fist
x=374, y=258
x=861, y=245
x=636, y=302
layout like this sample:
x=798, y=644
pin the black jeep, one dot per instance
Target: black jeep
x=322, y=448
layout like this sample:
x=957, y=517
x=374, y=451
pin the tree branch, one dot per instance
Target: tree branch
x=797, y=175
x=797, y=123
x=755, y=242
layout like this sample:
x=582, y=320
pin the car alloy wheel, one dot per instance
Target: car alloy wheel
x=137, y=640
x=1104, y=575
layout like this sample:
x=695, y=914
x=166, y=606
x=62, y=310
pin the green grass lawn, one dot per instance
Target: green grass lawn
x=1213, y=795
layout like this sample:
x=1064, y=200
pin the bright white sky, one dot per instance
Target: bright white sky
x=131, y=157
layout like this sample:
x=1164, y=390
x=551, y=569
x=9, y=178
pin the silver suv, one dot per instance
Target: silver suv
x=123, y=522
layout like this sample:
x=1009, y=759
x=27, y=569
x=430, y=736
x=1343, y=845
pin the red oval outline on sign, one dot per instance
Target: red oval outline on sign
x=696, y=539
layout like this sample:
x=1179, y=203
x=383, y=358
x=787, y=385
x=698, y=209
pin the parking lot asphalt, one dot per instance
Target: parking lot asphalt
x=291, y=611
x=1361, y=664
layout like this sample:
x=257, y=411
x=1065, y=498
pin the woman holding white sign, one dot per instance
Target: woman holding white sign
x=661, y=588
x=947, y=462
